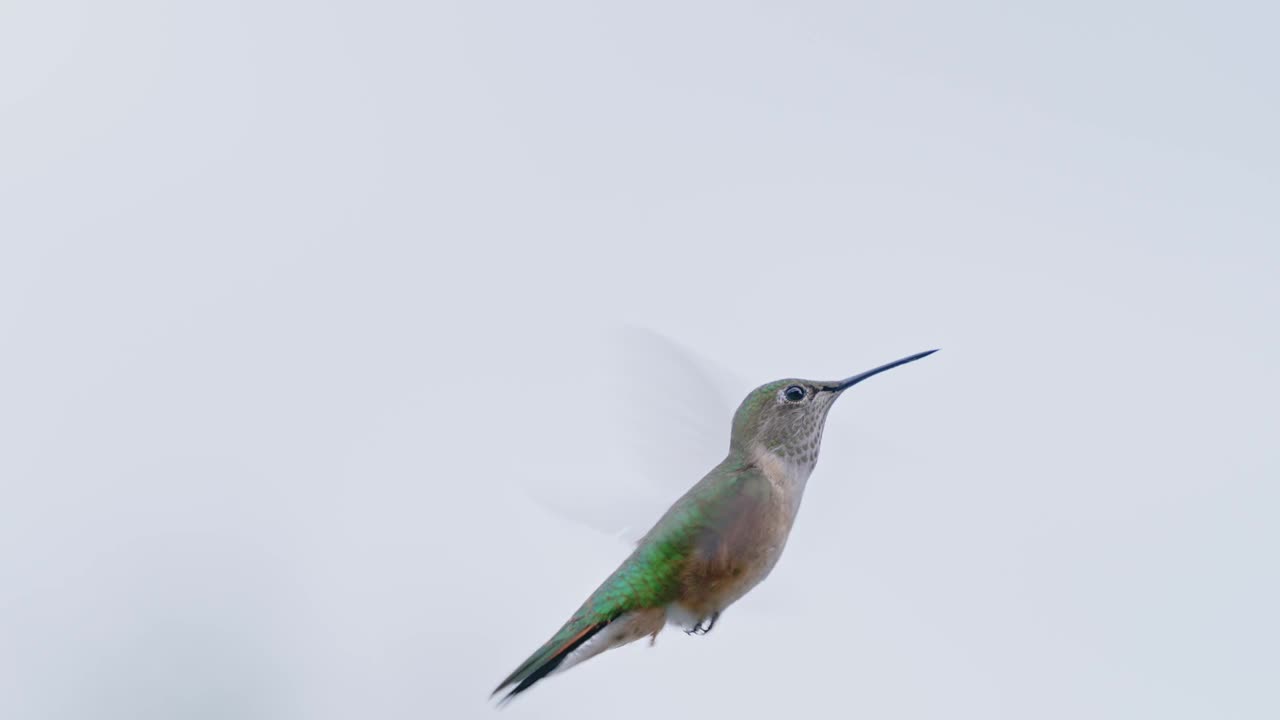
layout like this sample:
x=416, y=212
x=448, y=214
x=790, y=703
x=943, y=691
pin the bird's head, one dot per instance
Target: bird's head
x=785, y=417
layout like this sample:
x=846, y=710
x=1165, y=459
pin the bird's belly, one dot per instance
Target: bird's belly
x=719, y=593
x=722, y=581
x=731, y=560
x=752, y=575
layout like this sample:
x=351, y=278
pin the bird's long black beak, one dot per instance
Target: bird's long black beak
x=851, y=381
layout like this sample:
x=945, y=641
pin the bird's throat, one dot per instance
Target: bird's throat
x=787, y=476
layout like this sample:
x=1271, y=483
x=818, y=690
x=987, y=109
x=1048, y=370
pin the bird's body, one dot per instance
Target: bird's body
x=715, y=543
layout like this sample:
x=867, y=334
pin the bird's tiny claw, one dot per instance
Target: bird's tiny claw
x=704, y=625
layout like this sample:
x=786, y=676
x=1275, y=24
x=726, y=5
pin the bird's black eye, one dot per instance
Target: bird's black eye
x=794, y=393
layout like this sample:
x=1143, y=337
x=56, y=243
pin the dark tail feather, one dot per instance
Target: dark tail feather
x=547, y=658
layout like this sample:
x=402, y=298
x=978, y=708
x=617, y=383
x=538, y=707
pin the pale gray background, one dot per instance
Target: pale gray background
x=305, y=305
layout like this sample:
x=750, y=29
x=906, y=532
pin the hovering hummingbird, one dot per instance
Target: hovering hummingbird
x=716, y=542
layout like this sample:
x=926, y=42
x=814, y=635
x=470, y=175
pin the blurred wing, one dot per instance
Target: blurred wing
x=660, y=422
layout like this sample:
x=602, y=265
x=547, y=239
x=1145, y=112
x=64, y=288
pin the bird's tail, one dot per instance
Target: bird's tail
x=548, y=657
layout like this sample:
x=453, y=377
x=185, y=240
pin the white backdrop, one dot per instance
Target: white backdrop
x=307, y=405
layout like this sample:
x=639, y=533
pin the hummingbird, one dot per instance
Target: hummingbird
x=714, y=544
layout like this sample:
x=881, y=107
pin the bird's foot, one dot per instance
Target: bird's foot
x=704, y=625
